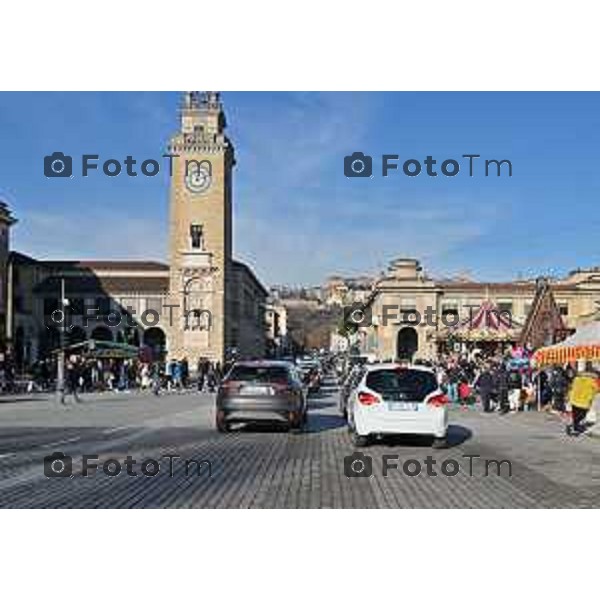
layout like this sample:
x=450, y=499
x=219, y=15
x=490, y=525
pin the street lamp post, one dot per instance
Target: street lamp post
x=60, y=374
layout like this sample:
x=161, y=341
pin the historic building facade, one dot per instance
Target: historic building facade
x=401, y=300
x=6, y=222
x=203, y=303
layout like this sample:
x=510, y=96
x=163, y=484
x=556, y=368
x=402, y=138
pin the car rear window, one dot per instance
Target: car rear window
x=400, y=384
x=261, y=374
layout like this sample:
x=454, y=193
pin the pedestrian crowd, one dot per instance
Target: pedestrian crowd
x=510, y=384
x=86, y=374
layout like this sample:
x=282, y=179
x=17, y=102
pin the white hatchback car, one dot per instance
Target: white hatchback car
x=396, y=399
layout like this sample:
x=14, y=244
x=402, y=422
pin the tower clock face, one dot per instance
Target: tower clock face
x=198, y=180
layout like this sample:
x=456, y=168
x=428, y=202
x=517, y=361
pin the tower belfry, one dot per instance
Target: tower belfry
x=202, y=114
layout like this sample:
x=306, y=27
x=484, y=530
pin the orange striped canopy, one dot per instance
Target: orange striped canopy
x=584, y=344
x=558, y=355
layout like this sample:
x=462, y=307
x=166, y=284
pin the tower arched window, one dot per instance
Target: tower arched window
x=196, y=236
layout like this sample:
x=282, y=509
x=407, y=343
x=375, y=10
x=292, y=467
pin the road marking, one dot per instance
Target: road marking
x=7, y=455
x=58, y=443
x=114, y=429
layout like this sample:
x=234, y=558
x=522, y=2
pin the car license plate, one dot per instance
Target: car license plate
x=404, y=406
x=256, y=390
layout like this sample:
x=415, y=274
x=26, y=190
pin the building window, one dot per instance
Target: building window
x=408, y=310
x=154, y=304
x=563, y=308
x=196, y=236
x=450, y=308
x=505, y=306
x=130, y=306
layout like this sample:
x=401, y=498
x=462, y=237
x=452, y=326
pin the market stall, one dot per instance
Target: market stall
x=584, y=344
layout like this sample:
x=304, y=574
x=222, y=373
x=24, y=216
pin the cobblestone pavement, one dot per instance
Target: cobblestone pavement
x=266, y=468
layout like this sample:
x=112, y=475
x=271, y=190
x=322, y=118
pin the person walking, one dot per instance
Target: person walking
x=218, y=372
x=72, y=379
x=581, y=395
x=185, y=369
x=177, y=374
x=169, y=374
x=155, y=376
x=202, y=373
x=484, y=386
x=453, y=381
x=559, y=384
x=211, y=377
x=501, y=385
x=515, y=386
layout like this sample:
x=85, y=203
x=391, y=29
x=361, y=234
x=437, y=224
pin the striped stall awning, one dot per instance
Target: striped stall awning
x=557, y=355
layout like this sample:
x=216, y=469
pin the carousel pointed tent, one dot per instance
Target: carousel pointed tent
x=487, y=323
x=584, y=344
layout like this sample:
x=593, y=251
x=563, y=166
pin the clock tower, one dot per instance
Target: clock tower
x=199, y=230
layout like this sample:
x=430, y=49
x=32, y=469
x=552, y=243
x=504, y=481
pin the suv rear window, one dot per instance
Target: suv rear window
x=260, y=374
x=402, y=384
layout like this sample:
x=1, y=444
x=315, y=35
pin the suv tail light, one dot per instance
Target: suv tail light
x=367, y=399
x=231, y=386
x=438, y=400
x=282, y=388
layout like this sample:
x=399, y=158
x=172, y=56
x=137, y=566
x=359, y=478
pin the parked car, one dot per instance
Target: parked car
x=394, y=399
x=347, y=386
x=261, y=391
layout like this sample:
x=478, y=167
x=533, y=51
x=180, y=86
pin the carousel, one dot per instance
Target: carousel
x=584, y=345
x=487, y=330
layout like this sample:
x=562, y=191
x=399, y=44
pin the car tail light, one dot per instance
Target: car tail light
x=367, y=399
x=231, y=386
x=281, y=388
x=438, y=400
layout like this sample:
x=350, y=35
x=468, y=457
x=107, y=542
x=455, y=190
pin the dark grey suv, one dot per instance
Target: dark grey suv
x=265, y=390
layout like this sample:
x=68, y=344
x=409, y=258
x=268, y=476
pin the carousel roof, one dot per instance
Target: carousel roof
x=487, y=323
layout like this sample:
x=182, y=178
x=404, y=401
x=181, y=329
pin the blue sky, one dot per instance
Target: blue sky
x=297, y=217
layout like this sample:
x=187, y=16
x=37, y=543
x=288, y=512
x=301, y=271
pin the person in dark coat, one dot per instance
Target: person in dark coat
x=72, y=378
x=559, y=384
x=211, y=378
x=202, y=373
x=501, y=384
x=485, y=388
